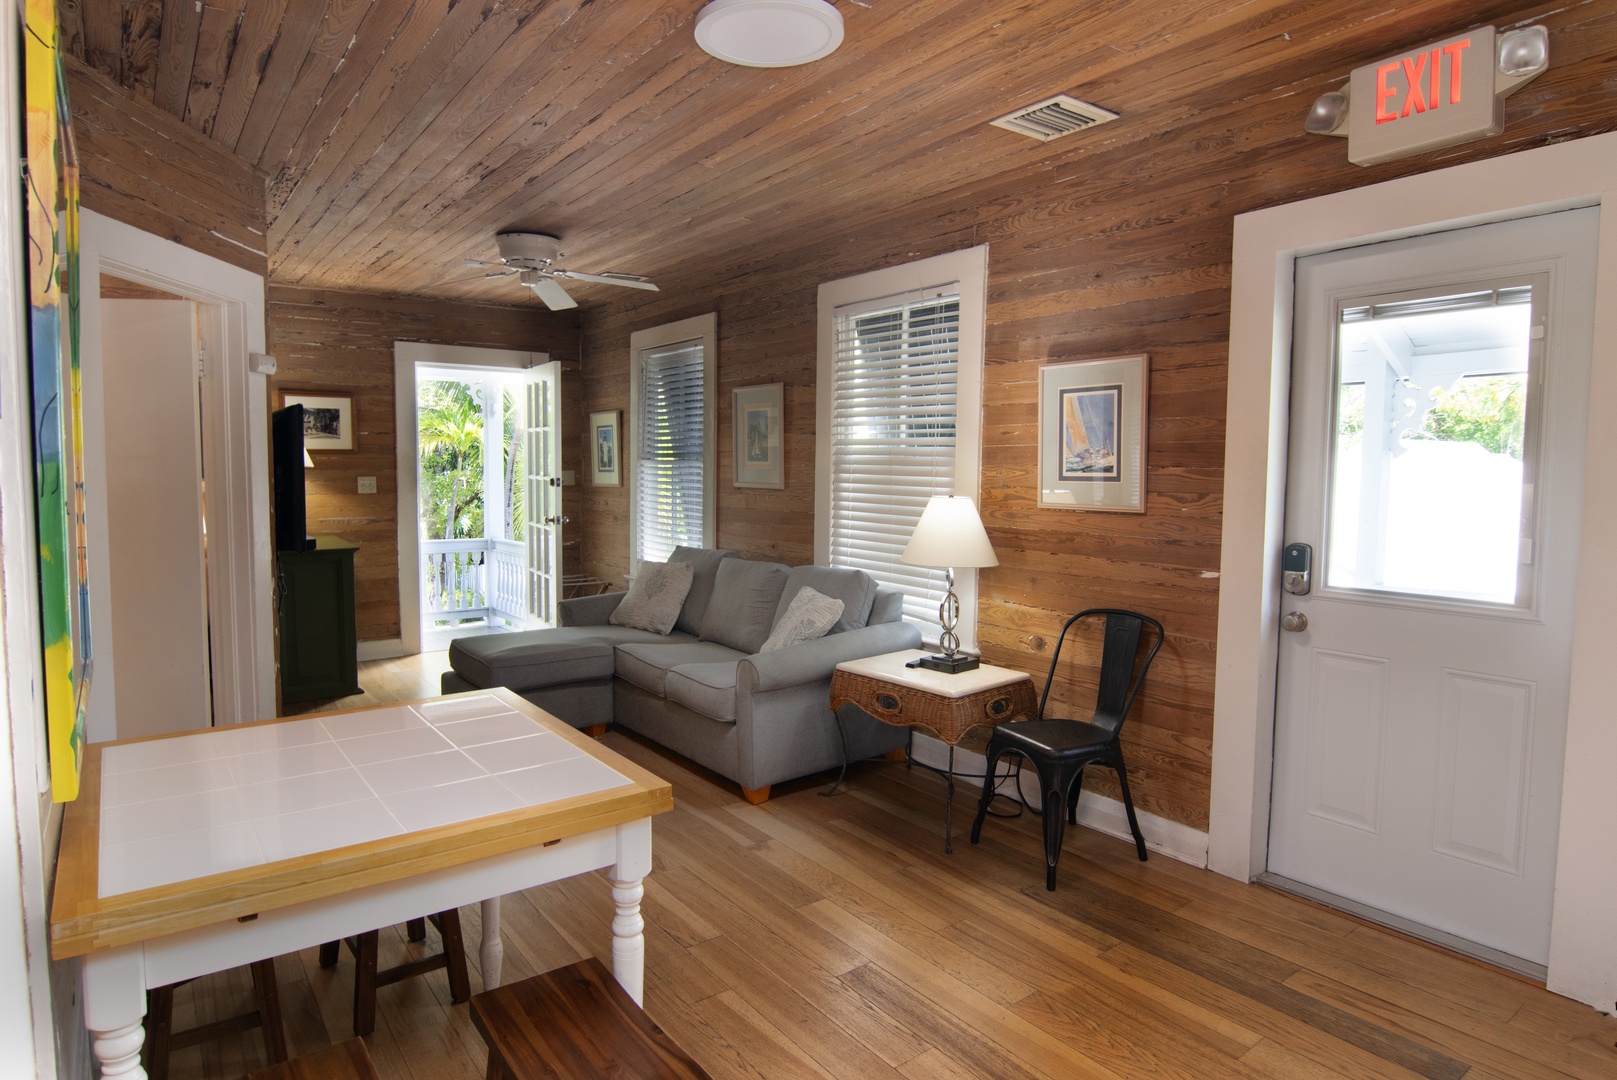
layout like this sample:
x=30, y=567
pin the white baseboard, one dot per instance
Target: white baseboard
x=382, y=650
x=1094, y=811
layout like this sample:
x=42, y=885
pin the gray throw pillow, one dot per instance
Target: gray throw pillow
x=808, y=616
x=705, y=566
x=654, y=599
x=745, y=595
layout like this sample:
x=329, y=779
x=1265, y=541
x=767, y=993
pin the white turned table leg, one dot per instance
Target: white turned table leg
x=629, y=938
x=118, y=1051
x=493, y=952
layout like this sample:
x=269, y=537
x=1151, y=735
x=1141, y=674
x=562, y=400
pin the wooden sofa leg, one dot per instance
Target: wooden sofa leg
x=756, y=796
x=900, y=755
x=595, y=731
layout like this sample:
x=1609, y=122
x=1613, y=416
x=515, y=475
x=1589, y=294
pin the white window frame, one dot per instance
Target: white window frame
x=705, y=327
x=967, y=269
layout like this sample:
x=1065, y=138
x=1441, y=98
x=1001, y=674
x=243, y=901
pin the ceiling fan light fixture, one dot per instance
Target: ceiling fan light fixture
x=769, y=33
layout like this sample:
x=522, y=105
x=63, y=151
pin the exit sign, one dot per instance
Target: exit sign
x=1434, y=96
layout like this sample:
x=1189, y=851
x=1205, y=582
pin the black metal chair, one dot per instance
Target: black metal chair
x=1060, y=749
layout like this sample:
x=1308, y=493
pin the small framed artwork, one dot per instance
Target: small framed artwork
x=1092, y=434
x=760, y=459
x=606, y=449
x=328, y=419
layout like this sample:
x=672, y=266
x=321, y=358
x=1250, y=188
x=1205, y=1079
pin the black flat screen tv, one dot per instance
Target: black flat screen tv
x=286, y=454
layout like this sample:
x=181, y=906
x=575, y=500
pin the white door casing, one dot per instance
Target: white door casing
x=1419, y=737
x=1579, y=172
x=542, y=506
x=235, y=445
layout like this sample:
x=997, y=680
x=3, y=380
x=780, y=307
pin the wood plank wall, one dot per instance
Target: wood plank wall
x=1099, y=254
x=143, y=167
x=343, y=343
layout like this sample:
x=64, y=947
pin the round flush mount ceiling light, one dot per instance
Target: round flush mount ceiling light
x=769, y=33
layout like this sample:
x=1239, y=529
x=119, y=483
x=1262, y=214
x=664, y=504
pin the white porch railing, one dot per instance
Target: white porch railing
x=466, y=581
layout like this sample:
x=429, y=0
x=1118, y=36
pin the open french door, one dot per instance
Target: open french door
x=542, y=504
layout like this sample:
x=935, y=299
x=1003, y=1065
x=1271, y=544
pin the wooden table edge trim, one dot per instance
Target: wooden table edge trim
x=83, y=921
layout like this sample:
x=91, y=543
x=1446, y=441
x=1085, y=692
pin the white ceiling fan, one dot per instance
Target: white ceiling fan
x=532, y=257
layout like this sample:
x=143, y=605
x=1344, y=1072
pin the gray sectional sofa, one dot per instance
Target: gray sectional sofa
x=704, y=689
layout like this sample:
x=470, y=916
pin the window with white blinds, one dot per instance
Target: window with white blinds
x=900, y=416
x=671, y=418
x=893, y=414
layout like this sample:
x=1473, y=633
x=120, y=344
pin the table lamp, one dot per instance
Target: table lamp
x=949, y=535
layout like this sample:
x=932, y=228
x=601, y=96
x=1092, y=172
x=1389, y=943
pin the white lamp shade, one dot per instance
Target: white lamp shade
x=769, y=33
x=950, y=534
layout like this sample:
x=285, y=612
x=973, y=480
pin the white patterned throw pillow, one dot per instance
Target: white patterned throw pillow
x=808, y=616
x=655, y=597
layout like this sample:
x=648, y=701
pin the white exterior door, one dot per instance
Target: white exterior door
x=542, y=504
x=1438, y=410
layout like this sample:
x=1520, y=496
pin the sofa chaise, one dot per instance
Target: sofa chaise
x=708, y=688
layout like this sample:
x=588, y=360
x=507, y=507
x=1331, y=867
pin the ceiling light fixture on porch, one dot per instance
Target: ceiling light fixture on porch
x=769, y=33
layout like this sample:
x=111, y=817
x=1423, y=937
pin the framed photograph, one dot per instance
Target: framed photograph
x=760, y=460
x=1092, y=434
x=328, y=419
x=606, y=449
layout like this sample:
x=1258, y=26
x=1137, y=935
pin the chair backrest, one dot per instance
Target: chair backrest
x=1119, y=681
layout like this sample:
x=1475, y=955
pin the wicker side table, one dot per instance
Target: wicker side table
x=948, y=705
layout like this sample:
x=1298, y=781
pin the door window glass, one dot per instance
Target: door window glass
x=1430, y=474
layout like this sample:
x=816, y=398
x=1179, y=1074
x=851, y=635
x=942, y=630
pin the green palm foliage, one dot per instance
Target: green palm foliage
x=451, y=439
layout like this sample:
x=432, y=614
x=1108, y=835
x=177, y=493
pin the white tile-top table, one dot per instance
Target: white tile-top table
x=197, y=852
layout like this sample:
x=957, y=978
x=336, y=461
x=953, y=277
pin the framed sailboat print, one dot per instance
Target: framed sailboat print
x=1092, y=434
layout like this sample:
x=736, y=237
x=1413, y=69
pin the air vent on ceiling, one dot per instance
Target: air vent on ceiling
x=1054, y=117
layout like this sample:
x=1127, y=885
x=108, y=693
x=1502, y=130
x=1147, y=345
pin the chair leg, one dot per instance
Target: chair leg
x=267, y=995
x=988, y=792
x=1128, y=805
x=159, y=1028
x=1072, y=800
x=460, y=984
x=1055, y=823
x=365, y=983
x=329, y=953
x=416, y=929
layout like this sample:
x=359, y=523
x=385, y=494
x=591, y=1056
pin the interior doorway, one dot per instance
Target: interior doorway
x=1434, y=495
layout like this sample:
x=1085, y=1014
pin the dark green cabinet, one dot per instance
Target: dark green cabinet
x=319, y=656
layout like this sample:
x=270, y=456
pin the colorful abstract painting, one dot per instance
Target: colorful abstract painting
x=53, y=291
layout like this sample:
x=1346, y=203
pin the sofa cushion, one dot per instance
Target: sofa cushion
x=647, y=665
x=704, y=567
x=534, y=657
x=709, y=689
x=745, y=596
x=855, y=588
x=655, y=597
x=809, y=615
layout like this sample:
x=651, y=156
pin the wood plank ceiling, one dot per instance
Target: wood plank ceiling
x=399, y=135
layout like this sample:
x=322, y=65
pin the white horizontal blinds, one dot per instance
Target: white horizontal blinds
x=669, y=471
x=893, y=434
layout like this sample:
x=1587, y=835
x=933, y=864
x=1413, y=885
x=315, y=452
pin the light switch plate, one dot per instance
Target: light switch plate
x=367, y=485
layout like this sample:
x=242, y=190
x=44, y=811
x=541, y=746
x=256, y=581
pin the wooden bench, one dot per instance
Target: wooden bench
x=575, y=1022
x=345, y=1061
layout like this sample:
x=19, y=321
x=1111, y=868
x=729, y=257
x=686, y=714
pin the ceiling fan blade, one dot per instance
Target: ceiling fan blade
x=632, y=281
x=482, y=277
x=550, y=291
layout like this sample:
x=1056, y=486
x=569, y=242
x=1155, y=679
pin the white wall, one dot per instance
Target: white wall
x=1583, y=944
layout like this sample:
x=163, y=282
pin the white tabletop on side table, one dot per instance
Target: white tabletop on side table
x=193, y=853
x=950, y=705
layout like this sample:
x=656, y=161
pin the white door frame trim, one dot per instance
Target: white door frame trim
x=406, y=355
x=236, y=447
x=1583, y=172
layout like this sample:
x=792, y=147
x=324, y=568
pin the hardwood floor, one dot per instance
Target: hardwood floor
x=815, y=937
